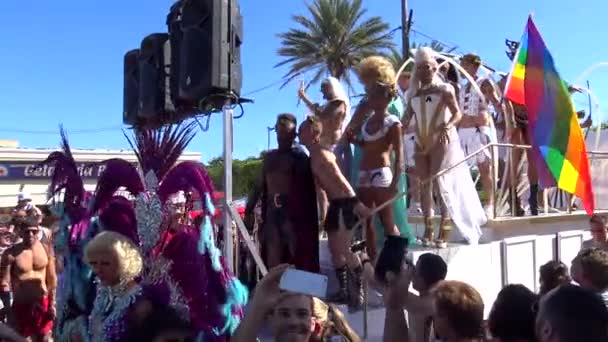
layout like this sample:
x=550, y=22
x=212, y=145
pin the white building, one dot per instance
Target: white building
x=18, y=171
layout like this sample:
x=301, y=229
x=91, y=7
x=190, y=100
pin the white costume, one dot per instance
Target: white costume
x=381, y=177
x=455, y=189
x=342, y=149
x=473, y=138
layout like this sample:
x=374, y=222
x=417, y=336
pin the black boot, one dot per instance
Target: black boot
x=519, y=211
x=341, y=297
x=357, y=291
x=533, y=200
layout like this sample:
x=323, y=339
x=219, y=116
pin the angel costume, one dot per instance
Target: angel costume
x=454, y=189
x=183, y=269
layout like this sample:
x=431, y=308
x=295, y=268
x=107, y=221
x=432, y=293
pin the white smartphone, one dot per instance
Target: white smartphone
x=303, y=282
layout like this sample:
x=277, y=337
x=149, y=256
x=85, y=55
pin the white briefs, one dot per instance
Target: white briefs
x=376, y=178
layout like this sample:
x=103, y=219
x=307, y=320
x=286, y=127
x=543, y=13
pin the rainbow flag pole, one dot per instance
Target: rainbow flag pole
x=558, y=145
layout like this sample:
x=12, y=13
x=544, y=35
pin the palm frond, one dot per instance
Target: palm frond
x=331, y=39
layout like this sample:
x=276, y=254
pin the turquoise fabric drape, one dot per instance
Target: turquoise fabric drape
x=399, y=206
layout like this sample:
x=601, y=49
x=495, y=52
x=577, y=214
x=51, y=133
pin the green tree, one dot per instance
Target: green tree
x=332, y=40
x=244, y=174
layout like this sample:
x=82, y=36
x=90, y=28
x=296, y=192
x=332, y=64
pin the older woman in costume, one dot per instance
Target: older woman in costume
x=379, y=137
x=433, y=106
x=180, y=267
x=120, y=304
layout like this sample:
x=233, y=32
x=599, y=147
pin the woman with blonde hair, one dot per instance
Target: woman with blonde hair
x=120, y=302
x=330, y=323
x=379, y=138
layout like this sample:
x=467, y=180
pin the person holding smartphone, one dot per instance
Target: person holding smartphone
x=344, y=211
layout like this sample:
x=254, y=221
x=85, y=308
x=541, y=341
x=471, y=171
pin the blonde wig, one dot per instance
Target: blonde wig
x=333, y=321
x=377, y=70
x=129, y=259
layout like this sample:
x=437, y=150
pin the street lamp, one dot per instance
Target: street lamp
x=269, y=129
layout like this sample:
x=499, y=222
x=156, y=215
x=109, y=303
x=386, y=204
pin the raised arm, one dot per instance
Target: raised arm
x=314, y=107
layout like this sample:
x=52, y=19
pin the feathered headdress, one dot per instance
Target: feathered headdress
x=77, y=289
x=188, y=262
x=66, y=179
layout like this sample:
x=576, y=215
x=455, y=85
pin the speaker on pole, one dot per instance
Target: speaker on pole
x=130, y=87
x=155, y=102
x=210, y=39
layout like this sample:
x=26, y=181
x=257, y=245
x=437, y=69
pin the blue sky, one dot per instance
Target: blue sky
x=63, y=60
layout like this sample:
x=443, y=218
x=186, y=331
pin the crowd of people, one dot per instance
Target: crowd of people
x=142, y=269
x=572, y=304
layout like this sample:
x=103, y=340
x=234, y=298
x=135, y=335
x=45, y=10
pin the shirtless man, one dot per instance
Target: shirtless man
x=334, y=116
x=28, y=271
x=474, y=128
x=289, y=203
x=344, y=211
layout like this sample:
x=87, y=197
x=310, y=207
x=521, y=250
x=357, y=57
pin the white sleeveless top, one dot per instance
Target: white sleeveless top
x=472, y=103
x=430, y=113
x=389, y=121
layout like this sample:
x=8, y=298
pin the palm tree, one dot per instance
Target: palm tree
x=332, y=40
x=397, y=58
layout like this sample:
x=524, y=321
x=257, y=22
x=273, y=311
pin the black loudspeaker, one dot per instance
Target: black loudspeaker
x=209, y=54
x=130, y=88
x=174, y=20
x=154, y=82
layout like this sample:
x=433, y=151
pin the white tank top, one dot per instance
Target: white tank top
x=470, y=102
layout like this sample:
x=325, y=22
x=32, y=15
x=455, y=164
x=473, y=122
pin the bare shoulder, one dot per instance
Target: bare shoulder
x=446, y=89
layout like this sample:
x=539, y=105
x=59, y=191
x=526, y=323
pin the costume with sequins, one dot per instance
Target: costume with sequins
x=186, y=271
x=183, y=269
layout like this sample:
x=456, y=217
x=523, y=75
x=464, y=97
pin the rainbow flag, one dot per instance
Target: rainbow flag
x=558, y=144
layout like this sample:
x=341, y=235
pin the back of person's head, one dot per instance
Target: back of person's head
x=430, y=270
x=458, y=310
x=553, y=274
x=512, y=316
x=590, y=269
x=598, y=219
x=571, y=313
x=331, y=322
x=163, y=323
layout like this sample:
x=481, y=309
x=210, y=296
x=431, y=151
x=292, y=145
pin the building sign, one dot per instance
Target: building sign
x=27, y=170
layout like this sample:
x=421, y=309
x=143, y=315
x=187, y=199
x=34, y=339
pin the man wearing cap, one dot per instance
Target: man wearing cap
x=476, y=129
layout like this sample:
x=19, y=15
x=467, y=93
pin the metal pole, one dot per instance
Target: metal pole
x=268, y=129
x=405, y=35
x=227, y=218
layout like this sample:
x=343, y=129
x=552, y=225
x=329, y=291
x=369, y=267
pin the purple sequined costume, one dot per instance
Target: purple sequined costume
x=186, y=269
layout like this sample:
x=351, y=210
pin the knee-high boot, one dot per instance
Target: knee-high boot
x=357, y=293
x=341, y=297
x=533, y=200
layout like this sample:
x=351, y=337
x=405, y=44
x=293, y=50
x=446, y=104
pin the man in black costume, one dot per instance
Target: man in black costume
x=286, y=188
